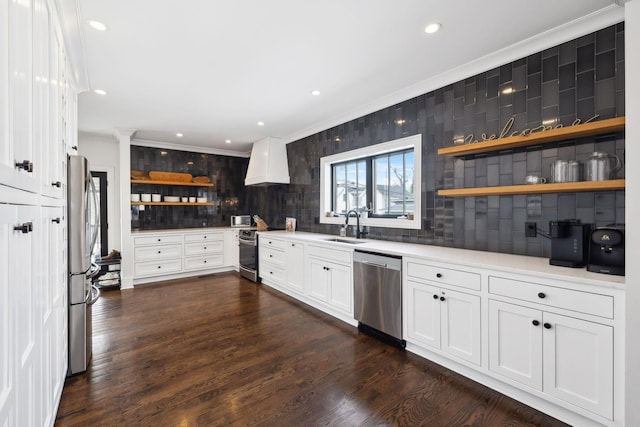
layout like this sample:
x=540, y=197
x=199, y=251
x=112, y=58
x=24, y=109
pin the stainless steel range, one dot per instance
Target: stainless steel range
x=248, y=254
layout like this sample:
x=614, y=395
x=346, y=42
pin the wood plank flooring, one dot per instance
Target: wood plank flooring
x=220, y=350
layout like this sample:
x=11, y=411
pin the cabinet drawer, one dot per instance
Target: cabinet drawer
x=203, y=248
x=148, y=253
x=272, y=256
x=272, y=272
x=157, y=268
x=203, y=237
x=154, y=240
x=204, y=262
x=271, y=243
x=337, y=255
x=584, y=302
x=447, y=276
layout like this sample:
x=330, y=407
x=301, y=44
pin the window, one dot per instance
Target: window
x=382, y=183
x=382, y=180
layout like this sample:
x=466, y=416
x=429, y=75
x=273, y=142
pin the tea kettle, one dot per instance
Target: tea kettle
x=602, y=166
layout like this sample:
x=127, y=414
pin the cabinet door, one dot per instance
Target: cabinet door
x=460, y=325
x=340, y=287
x=295, y=266
x=318, y=280
x=423, y=314
x=515, y=343
x=578, y=363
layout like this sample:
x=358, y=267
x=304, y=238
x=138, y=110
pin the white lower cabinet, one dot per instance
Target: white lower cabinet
x=294, y=254
x=330, y=274
x=568, y=358
x=179, y=254
x=444, y=320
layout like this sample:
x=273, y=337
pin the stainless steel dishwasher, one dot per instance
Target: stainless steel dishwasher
x=377, y=280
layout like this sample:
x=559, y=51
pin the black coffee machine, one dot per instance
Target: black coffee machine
x=569, y=242
x=606, y=250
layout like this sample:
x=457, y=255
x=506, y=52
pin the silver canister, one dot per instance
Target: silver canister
x=559, y=171
x=602, y=166
x=573, y=171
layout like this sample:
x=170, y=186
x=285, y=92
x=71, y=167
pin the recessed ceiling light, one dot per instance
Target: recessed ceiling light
x=179, y=135
x=260, y=123
x=97, y=25
x=315, y=92
x=227, y=141
x=100, y=91
x=189, y=163
x=163, y=153
x=507, y=90
x=432, y=28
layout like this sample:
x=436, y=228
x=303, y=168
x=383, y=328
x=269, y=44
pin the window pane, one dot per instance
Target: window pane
x=361, y=200
x=339, y=189
x=408, y=191
x=396, y=184
x=381, y=185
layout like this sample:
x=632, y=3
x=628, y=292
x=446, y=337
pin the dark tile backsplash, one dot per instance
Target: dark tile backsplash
x=578, y=79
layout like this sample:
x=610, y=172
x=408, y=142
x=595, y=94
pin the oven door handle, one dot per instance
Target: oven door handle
x=250, y=242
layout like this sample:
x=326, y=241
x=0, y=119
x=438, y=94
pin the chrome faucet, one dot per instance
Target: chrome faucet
x=346, y=221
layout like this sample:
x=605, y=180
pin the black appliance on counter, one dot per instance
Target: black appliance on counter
x=569, y=242
x=606, y=250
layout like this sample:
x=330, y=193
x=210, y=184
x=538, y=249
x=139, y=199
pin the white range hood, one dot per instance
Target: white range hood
x=268, y=163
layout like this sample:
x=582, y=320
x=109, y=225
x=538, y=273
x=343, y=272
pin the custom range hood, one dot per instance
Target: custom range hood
x=268, y=163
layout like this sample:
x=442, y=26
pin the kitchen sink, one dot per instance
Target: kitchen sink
x=348, y=241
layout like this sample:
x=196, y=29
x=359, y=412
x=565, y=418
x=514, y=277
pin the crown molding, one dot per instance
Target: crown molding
x=185, y=147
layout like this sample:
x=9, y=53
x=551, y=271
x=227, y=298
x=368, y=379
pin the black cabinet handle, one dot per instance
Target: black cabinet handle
x=25, y=228
x=435, y=297
x=205, y=261
x=159, y=266
x=26, y=165
x=75, y=148
x=56, y=220
x=541, y=295
x=535, y=323
x=442, y=298
x=293, y=244
x=56, y=184
x=438, y=275
x=205, y=248
x=270, y=256
x=547, y=325
x=159, y=240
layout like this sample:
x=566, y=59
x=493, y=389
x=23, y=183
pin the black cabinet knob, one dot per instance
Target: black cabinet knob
x=205, y=261
x=159, y=240
x=25, y=165
x=159, y=266
x=435, y=297
x=56, y=184
x=159, y=252
x=205, y=248
x=442, y=298
x=56, y=220
x=205, y=237
x=25, y=228
x=75, y=148
x=438, y=275
x=541, y=295
x=547, y=325
x=293, y=244
x=535, y=323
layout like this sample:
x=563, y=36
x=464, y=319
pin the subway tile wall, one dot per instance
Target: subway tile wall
x=228, y=194
x=576, y=80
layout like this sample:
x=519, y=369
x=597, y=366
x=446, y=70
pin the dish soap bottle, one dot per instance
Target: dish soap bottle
x=343, y=231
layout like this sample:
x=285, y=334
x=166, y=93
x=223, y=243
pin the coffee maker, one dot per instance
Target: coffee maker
x=569, y=242
x=606, y=250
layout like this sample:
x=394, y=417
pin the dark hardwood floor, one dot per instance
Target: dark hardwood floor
x=220, y=350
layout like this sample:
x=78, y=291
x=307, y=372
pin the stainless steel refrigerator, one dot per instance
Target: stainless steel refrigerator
x=83, y=224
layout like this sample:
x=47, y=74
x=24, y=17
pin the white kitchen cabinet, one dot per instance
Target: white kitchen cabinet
x=294, y=254
x=271, y=261
x=565, y=357
x=444, y=320
x=231, y=250
x=330, y=274
x=163, y=255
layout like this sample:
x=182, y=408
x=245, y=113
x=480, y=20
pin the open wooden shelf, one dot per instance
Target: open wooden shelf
x=568, y=132
x=562, y=187
x=172, y=203
x=186, y=184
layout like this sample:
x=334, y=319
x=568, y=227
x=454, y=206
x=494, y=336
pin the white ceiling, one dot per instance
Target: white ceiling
x=211, y=69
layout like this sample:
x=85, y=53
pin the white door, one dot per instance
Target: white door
x=318, y=280
x=460, y=325
x=8, y=218
x=341, y=287
x=295, y=266
x=423, y=314
x=578, y=363
x=515, y=343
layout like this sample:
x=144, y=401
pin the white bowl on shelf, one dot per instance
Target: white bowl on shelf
x=192, y=199
x=145, y=197
x=171, y=199
x=185, y=199
x=156, y=197
x=202, y=200
x=135, y=197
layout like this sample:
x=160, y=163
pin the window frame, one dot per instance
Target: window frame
x=326, y=184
